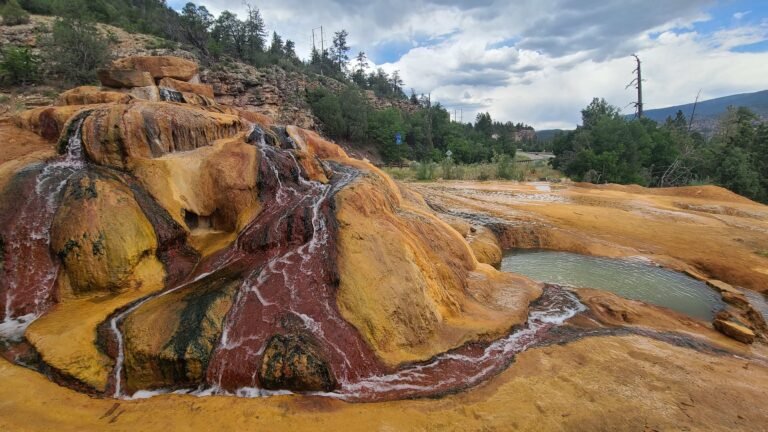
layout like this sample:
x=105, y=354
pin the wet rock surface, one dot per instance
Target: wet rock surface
x=292, y=362
x=203, y=251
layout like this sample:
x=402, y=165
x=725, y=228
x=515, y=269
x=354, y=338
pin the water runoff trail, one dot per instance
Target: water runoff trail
x=288, y=258
x=28, y=269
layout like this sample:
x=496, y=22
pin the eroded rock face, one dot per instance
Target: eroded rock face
x=734, y=330
x=90, y=95
x=211, y=248
x=102, y=237
x=183, y=86
x=125, y=78
x=292, y=362
x=115, y=135
x=159, y=66
x=169, y=341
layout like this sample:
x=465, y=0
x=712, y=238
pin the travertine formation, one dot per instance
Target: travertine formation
x=204, y=247
x=170, y=242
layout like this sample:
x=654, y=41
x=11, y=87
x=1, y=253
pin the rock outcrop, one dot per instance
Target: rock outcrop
x=204, y=246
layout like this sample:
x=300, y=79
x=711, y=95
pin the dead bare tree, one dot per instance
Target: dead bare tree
x=681, y=171
x=638, y=83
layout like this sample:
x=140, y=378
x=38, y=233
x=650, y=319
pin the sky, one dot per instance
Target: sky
x=541, y=61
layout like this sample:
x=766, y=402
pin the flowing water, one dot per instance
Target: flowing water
x=286, y=257
x=635, y=279
x=29, y=270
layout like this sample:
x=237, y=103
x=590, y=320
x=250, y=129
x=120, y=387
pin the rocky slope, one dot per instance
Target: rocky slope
x=270, y=91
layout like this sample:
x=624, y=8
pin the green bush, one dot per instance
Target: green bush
x=18, y=65
x=75, y=50
x=13, y=14
x=504, y=167
x=425, y=170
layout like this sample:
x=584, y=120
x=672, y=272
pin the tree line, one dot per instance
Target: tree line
x=426, y=132
x=608, y=148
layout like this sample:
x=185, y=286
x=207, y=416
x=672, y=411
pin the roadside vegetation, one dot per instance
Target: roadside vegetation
x=499, y=169
x=608, y=148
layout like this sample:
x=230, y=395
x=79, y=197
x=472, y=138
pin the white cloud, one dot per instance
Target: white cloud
x=537, y=61
x=740, y=15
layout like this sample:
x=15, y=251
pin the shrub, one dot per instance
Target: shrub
x=13, y=14
x=425, y=171
x=449, y=168
x=18, y=66
x=76, y=50
x=504, y=168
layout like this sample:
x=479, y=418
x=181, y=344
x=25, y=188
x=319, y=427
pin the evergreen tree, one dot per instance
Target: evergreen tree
x=340, y=50
x=194, y=24
x=358, y=76
x=276, y=47
x=289, y=49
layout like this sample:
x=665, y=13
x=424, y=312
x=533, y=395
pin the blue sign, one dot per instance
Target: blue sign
x=398, y=138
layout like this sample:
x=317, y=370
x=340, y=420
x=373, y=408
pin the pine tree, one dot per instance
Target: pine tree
x=358, y=76
x=195, y=22
x=340, y=50
x=255, y=32
x=276, y=47
x=290, y=49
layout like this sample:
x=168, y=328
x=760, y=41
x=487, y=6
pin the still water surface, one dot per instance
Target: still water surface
x=631, y=278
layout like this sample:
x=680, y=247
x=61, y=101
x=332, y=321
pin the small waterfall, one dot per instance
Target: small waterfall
x=29, y=270
x=291, y=287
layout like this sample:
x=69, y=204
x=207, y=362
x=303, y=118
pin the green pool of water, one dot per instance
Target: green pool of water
x=630, y=278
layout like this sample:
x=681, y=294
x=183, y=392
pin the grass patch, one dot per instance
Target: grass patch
x=534, y=171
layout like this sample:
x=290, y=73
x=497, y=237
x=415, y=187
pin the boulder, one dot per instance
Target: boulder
x=160, y=66
x=734, y=330
x=124, y=78
x=89, y=95
x=149, y=93
x=183, y=86
x=102, y=236
x=293, y=362
x=169, y=340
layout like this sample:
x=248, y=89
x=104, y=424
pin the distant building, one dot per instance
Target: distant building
x=524, y=135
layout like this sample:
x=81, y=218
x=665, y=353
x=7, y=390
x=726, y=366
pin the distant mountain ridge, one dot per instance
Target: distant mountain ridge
x=710, y=110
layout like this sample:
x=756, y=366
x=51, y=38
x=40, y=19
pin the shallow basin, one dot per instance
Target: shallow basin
x=635, y=279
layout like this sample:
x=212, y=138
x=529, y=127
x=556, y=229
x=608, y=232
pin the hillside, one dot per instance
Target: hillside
x=709, y=111
x=270, y=90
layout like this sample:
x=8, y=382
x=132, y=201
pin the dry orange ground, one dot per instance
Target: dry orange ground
x=609, y=383
x=707, y=229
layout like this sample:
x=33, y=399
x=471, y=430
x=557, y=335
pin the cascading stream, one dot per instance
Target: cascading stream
x=29, y=270
x=291, y=289
x=287, y=257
